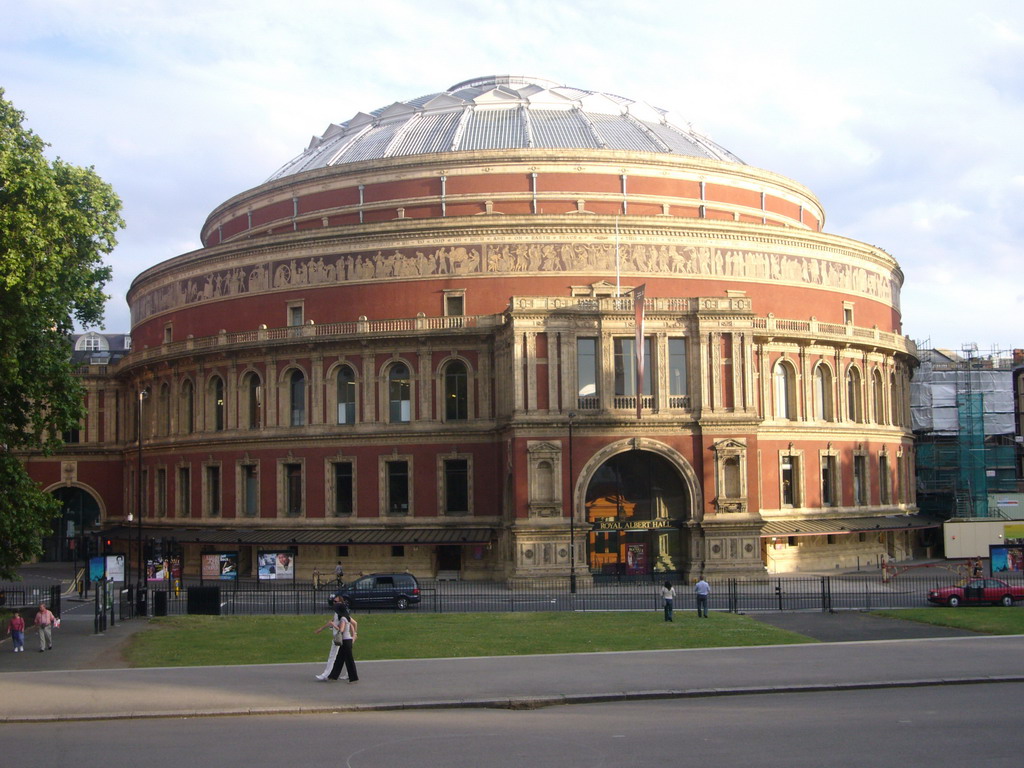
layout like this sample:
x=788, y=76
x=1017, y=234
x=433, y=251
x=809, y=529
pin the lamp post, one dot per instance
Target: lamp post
x=572, y=511
x=143, y=393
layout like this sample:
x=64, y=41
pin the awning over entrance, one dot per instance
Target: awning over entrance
x=847, y=525
x=298, y=536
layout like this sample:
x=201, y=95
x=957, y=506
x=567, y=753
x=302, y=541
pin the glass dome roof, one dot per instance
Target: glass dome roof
x=504, y=112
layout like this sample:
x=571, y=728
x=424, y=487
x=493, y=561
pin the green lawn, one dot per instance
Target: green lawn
x=216, y=640
x=994, y=620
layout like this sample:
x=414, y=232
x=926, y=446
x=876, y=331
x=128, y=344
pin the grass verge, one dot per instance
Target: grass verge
x=991, y=620
x=219, y=640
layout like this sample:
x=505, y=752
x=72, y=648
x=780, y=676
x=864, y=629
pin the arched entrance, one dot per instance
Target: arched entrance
x=80, y=512
x=637, y=504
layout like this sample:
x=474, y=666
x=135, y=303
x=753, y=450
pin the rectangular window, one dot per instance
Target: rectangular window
x=829, y=484
x=625, y=367
x=295, y=314
x=456, y=486
x=184, y=492
x=586, y=372
x=791, y=480
x=343, y=489
x=213, y=491
x=397, y=488
x=71, y=436
x=397, y=550
x=161, y=493
x=860, y=480
x=678, y=386
x=292, y=489
x=454, y=305
x=343, y=550
x=884, y=481
x=250, y=490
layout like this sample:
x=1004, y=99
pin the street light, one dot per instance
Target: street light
x=572, y=511
x=143, y=394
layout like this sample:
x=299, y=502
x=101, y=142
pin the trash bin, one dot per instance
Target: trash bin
x=159, y=603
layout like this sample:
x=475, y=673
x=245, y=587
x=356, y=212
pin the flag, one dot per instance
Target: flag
x=638, y=308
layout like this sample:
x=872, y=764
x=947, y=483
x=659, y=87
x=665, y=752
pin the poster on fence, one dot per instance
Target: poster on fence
x=1006, y=559
x=163, y=569
x=220, y=565
x=276, y=565
x=115, y=567
x=97, y=569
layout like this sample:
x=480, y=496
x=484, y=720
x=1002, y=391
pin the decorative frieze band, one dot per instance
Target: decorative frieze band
x=670, y=260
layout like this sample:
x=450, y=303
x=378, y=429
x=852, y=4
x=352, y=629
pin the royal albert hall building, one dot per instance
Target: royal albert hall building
x=415, y=347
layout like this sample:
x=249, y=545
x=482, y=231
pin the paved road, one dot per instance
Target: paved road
x=963, y=725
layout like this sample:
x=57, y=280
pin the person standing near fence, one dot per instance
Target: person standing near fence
x=668, y=596
x=339, y=574
x=16, y=629
x=45, y=622
x=702, y=589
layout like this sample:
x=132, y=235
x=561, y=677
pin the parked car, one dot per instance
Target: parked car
x=398, y=590
x=974, y=591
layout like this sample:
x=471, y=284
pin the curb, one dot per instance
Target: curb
x=527, y=702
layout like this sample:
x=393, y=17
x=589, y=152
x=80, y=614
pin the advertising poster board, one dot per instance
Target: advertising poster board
x=1006, y=559
x=97, y=569
x=220, y=565
x=636, y=558
x=275, y=566
x=115, y=567
x=164, y=569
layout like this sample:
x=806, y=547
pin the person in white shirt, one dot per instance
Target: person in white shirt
x=668, y=596
x=702, y=589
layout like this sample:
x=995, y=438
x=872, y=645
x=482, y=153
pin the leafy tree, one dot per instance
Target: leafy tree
x=56, y=223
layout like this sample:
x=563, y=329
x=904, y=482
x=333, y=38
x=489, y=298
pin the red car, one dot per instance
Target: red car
x=974, y=591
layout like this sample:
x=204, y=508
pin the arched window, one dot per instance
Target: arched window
x=785, y=394
x=346, y=395
x=854, y=401
x=297, y=398
x=399, y=394
x=253, y=392
x=823, y=393
x=456, y=391
x=217, y=403
x=188, y=413
x=877, y=401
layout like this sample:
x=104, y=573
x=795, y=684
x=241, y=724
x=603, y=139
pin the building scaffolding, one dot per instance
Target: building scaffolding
x=963, y=418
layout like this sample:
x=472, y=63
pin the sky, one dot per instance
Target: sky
x=903, y=117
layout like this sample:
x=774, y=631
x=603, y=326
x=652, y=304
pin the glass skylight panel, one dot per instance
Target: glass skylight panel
x=431, y=133
x=560, y=128
x=371, y=145
x=494, y=129
x=677, y=142
x=622, y=133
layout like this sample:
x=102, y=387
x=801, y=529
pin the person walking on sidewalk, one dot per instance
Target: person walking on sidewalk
x=45, y=622
x=16, y=629
x=668, y=596
x=702, y=589
x=338, y=605
x=345, y=630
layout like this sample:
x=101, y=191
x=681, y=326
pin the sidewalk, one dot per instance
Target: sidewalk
x=84, y=679
x=518, y=682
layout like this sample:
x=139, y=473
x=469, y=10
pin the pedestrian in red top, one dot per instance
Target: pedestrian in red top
x=45, y=622
x=16, y=629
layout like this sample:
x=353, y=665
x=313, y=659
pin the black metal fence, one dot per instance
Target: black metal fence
x=790, y=593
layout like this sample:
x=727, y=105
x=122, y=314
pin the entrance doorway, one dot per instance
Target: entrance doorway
x=80, y=513
x=637, y=504
x=449, y=558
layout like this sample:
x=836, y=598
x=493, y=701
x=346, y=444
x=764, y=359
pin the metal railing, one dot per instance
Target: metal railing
x=767, y=594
